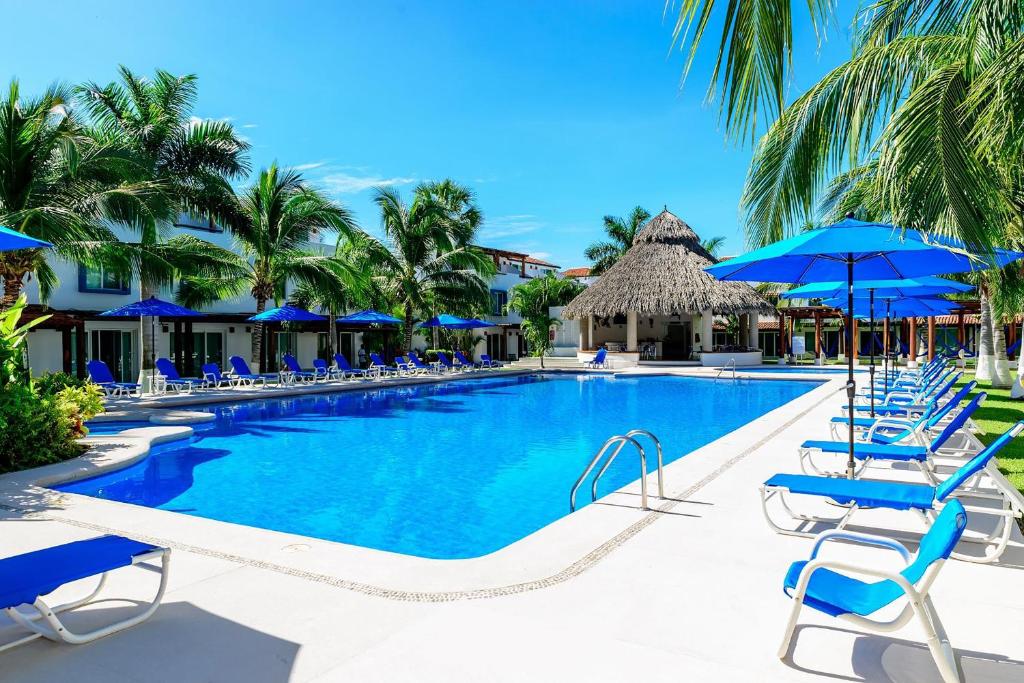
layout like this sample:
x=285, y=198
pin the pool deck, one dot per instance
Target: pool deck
x=610, y=593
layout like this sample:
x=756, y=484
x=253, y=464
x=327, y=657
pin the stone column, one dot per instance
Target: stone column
x=707, y=332
x=752, y=336
x=631, y=332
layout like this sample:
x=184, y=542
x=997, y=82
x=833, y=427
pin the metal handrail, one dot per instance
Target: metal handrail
x=619, y=442
x=730, y=364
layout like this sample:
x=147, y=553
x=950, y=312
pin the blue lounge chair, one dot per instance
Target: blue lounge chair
x=100, y=375
x=486, y=362
x=321, y=369
x=26, y=579
x=213, y=377
x=295, y=372
x=463, y=362
x=422, y=367
x=600, y=360
x=173, y=380
x=891, y=449
x=827, y=585
x=446, y=362
x=906, y=403
x=1013, y=348
x=931, y=412
x=342, y=367
x=381, y=369
x=924, y=500
x=243, y=376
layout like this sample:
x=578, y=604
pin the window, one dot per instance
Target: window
x=101, y=280
x=499, y=299
x=192, y=222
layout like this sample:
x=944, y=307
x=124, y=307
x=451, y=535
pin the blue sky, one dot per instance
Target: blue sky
x=555, y=112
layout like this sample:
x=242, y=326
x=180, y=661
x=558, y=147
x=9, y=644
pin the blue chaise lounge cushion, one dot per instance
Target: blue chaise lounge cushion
x=23, y=578
x=893, y=495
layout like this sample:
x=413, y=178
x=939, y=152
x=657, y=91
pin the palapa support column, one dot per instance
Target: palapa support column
x=782, y=338
x=931, y=337
x=585, y=333
x=912, y=344
x=707, y=331
x=752, y=335
x=631, y=331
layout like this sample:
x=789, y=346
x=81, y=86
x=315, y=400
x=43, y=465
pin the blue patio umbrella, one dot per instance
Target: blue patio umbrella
x=12, y=240
x=454, y=322
x=370, y=317
x=286, y=314
x=853, y=250
x=881, y=289
x=152, y=308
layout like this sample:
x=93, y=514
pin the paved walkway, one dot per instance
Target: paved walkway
x=696, y=596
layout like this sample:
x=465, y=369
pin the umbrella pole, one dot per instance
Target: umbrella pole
x=871, y=353
x=851, y=385
x=888, y=341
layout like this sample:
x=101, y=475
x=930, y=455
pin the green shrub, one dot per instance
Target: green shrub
x=37, y=430
x=51, y=383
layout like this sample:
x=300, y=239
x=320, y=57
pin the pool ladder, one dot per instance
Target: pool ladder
x=615, y=444
x=730, y=365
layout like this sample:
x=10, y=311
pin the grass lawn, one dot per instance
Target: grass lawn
x=995, y=416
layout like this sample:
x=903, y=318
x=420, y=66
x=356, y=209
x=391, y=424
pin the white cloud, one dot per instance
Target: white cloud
x=542, y=255
x=250, y=125
x=510, y=226
x=348, y=183
x=310, y=166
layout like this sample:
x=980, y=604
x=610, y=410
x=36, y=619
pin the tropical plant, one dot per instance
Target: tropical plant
x=189, y=161
x=12, y=342
x=533, y=301
x=273, y=224
x=621, y=232
x=713, y=245
x=429, y=256
x=59, y=183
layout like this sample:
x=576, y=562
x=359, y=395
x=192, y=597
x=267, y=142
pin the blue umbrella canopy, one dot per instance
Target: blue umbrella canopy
x=151, y=307
x=370, y=317
x=12, y=240
x=286, y=314
x=910, y=307
x=477, y=322
x=874, y=251
x=927, y=285
x=451, y=322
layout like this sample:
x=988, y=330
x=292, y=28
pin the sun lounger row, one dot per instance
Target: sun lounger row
x=167, y=377
x=958, y=482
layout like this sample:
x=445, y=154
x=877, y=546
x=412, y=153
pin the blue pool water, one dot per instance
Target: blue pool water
x=454, y=470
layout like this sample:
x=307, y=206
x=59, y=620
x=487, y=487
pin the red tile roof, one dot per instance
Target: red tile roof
x=577, y=272
x=538, y=262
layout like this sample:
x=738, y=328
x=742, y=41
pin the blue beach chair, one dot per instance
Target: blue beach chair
x=294, y=371
x=464, y=363
x=173, y=380
x=890, y=448
x=342, y=367
x=831, y=587
x=213, y=377
x=100, y=375
x=243, y=376
x=446, y=362
x=421, y=367
x=381, y=369
x=932, y=413
x=321, y=370
x=26, y=579
x=600, y=360
x=924, y=500
x=486, y=362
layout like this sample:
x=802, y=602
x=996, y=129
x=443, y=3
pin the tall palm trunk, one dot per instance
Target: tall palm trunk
x=12, y=289
x=986, y=356
x=1001, y=365
x=257, y=336
x=148, y=330
x=1017, y=391
x=14, y=266
x=407, y=328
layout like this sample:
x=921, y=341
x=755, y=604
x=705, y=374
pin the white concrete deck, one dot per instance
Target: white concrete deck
x=693, y=594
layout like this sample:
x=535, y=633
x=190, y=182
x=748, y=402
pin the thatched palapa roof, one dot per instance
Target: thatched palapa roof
x=663, y=274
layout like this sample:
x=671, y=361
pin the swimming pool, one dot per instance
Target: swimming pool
x=452, y=470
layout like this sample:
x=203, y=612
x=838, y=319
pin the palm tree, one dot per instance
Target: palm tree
x=274, y=221
x=712, y=245
x=620, y=238
x=190, y=160
x=533, y=301
x=58, y=182
x=429, y=257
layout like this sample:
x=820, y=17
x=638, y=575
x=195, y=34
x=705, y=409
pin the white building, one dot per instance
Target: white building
x=75, y=333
